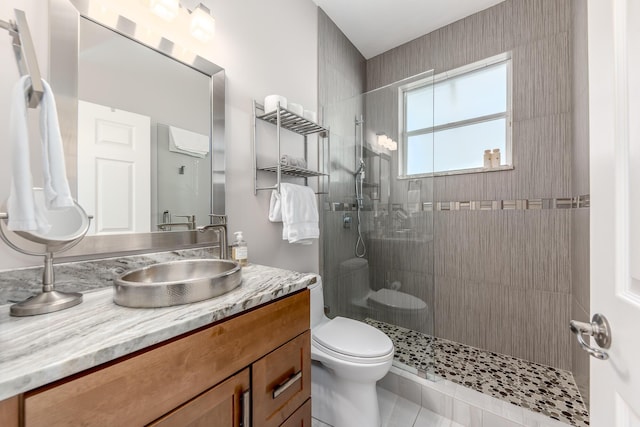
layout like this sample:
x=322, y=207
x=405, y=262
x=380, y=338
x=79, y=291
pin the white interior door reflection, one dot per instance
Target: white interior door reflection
x=114, y=163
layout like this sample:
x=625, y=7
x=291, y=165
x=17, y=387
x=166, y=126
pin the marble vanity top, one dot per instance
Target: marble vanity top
x=37, y=350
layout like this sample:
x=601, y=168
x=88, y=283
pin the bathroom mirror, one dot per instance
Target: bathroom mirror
x=111, y=87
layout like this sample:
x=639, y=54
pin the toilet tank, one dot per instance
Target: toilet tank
x=317, y=303
x=354, y=278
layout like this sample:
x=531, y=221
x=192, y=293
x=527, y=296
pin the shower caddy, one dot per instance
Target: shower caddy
x=285, y=119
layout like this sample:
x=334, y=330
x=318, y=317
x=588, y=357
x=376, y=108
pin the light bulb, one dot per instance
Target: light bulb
x=202, y=23
x=165, y=9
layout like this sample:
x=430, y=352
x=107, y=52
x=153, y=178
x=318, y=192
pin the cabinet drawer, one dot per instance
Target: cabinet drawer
x=282, y=381
x=138, y=389
x=300, y=418
x=218, y=406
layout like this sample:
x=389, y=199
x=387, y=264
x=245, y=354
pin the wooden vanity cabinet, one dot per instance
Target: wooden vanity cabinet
x=222, y=405
x=10, y=412
x=192, y=379
x=281, y=381
x=300, y=418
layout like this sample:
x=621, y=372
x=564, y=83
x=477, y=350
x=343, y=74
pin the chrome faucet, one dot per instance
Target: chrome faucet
x=190, y=220
x=220, y=227
x=190, y=223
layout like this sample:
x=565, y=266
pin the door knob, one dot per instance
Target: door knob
x=599, y=329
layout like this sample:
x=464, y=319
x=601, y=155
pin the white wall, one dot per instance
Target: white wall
x=265, y=47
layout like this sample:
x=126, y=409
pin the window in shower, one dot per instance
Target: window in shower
x=449, y=121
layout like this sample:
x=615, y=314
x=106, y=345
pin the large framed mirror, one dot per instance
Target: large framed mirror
x=143, y=129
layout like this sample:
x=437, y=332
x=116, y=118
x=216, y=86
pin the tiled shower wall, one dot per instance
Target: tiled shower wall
x=503, y=278
x=341, y=75
x=580, y=184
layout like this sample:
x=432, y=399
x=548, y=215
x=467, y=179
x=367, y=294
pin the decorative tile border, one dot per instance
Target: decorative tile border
x=516, y=204
x=542, y=389
x=483, y=205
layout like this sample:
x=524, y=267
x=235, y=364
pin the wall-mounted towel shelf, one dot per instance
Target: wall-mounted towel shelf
x=293, y=171
x=25, y=55
x=291, y=121
x=285, y=119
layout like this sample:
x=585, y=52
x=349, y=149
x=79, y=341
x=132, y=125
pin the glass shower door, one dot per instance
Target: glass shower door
x=377, y=257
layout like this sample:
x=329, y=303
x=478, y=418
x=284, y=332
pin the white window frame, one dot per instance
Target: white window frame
x=469, y=68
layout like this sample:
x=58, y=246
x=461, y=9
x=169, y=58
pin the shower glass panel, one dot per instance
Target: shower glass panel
x=377, y=245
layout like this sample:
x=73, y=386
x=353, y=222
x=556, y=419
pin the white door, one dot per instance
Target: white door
x=114, y=177
x=614, y=138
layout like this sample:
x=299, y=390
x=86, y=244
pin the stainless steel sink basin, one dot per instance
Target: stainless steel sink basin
x=176, y=282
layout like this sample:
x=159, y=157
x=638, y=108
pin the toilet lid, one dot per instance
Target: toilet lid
x=396, y=299
x=352, y=338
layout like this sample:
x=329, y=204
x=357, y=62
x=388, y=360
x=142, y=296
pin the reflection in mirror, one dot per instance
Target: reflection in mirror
x=144, y=126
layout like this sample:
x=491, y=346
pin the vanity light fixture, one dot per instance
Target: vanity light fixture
x=202, y=23
x=165, y=9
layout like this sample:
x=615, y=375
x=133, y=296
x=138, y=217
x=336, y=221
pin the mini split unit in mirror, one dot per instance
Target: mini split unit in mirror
x=67, y=228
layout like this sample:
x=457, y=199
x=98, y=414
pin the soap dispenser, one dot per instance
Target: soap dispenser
x=239, y=250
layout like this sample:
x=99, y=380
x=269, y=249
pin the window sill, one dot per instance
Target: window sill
x=458, y=172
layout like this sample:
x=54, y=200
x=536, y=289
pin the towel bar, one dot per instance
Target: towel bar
x=25, y=55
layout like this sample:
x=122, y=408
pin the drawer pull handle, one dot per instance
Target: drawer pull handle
x=285, y=385
x=246, y=409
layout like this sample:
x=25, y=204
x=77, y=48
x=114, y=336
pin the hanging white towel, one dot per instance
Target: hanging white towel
x=21, y=205
x=24, y=213
x=299, y=213
x=275, y=207
x=56, y=186
x=187, y=142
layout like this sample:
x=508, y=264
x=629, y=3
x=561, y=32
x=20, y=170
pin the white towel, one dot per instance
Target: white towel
x=288, y=160
x=299, y=214
x=275, y=207
x=56, y=186
x=187, y=142
x=24, y=214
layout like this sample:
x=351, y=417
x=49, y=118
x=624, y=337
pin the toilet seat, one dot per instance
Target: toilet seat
x=352, y=341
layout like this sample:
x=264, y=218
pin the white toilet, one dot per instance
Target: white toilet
x=348, y=357
x=388, y=305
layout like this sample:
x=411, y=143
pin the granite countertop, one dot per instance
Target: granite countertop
x=37, y=350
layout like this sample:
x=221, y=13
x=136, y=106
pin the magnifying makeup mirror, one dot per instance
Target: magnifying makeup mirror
x=68, y=227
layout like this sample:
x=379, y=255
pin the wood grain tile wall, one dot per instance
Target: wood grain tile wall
x=341, y=75
x=503, y=278
x=506, y=281
x=580, y=185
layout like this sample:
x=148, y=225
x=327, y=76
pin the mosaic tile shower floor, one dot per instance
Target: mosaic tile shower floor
x=535, y=387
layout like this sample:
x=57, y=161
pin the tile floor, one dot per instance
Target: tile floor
x=541, y=389
x=396, y=411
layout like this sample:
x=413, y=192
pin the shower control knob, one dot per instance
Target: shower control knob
x=346, y=220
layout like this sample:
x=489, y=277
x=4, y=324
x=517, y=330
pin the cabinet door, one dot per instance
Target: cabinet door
x=300, y=418
x=282, y=381
x=9, y=412
x=221, y=406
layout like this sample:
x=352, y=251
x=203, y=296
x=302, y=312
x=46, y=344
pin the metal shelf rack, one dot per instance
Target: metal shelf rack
x=282, y=118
